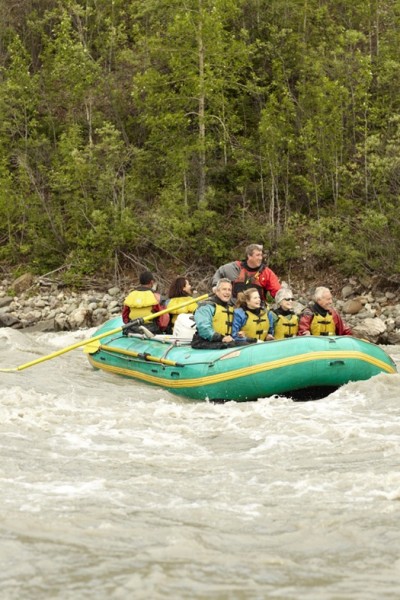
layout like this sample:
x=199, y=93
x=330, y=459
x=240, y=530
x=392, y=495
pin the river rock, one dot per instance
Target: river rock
x=41, y=303
x=114, y=291
x=367, y=313
x=41, y=327
x=61, y=323
x=33, y=316
x=347, y=291
x=99, y=316
x=353, y=306
x=80, y=318
x=371, y=329
x=6, y=301
x=393, y=337
x=7, y=320
x=23, y=283
x=390, y=295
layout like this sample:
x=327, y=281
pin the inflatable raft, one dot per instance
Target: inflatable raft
x=300, y=367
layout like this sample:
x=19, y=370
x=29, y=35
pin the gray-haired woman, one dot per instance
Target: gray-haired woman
x=286, y=322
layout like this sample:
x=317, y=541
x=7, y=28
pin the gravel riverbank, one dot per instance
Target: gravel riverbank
x=31, y=303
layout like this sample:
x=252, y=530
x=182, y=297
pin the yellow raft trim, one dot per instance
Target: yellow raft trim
x=245, y=371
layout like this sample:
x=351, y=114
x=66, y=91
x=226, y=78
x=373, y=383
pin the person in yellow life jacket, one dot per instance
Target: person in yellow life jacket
x=321, y=318
x=251, y=322
x=214, y=318
x=180, y=291
x=286, y=321
x=142, y=302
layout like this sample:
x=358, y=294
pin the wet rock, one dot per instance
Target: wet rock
x=61, y=323
x=41, y=326
x=7, y=320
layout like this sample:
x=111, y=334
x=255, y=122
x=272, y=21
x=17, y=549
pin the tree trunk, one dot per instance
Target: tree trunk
x=202, y=126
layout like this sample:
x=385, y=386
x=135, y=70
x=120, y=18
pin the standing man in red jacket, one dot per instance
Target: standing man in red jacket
x=249, y=273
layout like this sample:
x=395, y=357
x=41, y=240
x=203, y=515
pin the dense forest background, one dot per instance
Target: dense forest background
x=172, y=133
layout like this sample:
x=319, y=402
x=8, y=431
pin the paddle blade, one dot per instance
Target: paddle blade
x=91, y=347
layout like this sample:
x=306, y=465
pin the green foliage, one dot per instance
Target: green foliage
x=193, y=129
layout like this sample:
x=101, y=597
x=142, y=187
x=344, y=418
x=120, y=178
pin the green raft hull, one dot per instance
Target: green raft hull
x=245, y=373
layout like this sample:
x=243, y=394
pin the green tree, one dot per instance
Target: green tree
x=187, y=98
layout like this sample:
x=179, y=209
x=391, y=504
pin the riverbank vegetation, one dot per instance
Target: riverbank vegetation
x=142, y=134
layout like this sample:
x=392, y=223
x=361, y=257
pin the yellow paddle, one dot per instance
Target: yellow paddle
x=142, y=355
x=100, y=336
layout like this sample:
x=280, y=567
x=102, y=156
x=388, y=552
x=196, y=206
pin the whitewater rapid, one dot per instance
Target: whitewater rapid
x=112, y=489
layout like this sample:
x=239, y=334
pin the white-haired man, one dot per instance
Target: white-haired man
x=321, y=318
x=251, y=272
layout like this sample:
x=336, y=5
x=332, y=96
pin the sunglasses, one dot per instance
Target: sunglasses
x=288, y=299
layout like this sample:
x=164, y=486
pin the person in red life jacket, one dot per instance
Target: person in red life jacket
x=249, y=273
x=321, y=318
x=142, y=302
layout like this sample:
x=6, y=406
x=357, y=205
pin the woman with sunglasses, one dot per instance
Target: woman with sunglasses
x=286, y=322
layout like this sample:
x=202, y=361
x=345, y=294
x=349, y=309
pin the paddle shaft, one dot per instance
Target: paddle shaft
x=141, y=355
x=99, y=337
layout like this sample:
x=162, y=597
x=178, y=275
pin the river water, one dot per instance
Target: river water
x=111, y=489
